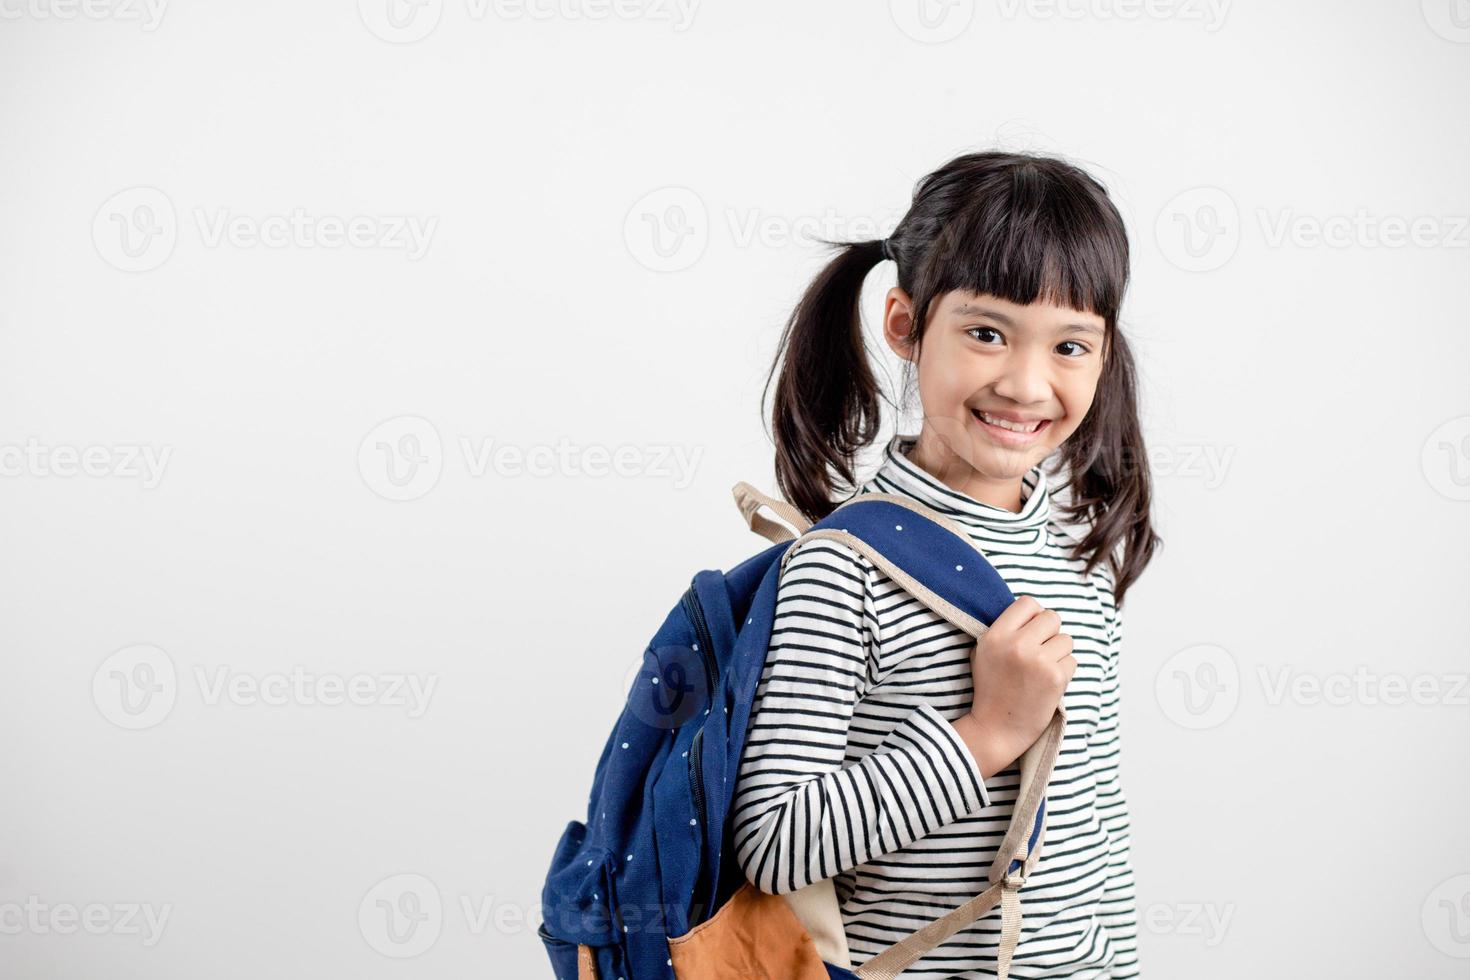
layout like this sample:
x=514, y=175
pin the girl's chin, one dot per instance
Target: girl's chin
x=1006, y=463
x=1009, y=468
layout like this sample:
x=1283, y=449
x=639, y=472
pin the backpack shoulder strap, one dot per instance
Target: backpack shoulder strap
x=750, y=501
x=928, y=554
x=932, y=558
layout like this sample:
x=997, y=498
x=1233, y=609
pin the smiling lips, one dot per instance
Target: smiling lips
x=1009, y=430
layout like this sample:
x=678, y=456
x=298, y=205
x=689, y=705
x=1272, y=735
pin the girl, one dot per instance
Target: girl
x=883, y=743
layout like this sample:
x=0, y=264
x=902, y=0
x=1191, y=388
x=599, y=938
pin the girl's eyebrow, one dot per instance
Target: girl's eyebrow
x=965, y=309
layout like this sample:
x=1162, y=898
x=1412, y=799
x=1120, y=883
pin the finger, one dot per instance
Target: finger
x=1019, y=613
x=1042, y=627
x=1059, y=648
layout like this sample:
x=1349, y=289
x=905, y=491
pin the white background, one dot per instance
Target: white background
x=618, y=205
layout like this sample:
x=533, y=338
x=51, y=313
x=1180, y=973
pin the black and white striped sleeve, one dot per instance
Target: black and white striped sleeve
x=799, y=814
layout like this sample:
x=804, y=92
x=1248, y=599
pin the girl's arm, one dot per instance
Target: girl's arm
x=1119, y=907
x=799, y=814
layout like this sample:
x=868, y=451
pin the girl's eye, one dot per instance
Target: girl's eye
x=1082, y=349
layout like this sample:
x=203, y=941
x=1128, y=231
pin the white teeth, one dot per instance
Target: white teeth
x=1013, y=426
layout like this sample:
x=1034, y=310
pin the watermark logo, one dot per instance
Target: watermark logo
x=1198, y=687
x=1450, y=19
x=135, y=687
x=1201, y=686
x=932, y=21
x=400, y=21
x=405, y=914
x=1445, y=916
x=1445, y=459
x=135, y=230
x=668, y=685
x=402, y=458
x=667, y=230
x=752, y=226
x=1199, y=229
x=401, y=916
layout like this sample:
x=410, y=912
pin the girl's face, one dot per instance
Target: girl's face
x=982, y=358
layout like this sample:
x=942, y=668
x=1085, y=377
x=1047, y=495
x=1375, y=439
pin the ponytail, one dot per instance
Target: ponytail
x=827, y=401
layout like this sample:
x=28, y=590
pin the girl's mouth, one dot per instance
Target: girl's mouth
x=1010, y=437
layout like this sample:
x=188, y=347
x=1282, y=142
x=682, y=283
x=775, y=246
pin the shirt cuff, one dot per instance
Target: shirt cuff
x=954, y=764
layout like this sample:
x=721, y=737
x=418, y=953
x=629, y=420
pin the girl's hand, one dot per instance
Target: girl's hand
x=1020, y=667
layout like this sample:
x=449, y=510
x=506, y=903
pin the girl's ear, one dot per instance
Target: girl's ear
x=898, y=323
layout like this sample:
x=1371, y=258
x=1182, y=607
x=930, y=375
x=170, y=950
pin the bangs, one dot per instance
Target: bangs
x=1031, y=237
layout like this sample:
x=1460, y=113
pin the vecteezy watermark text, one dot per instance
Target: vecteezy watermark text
x=1200, y=687
x=296, y=686
x=407, y=21
x=402, y=458
x=39, y=918
x=137, y=687
x=38, y=459
x=1200, y=229
x=136, y=230
x=409, y=233
x=147, y=13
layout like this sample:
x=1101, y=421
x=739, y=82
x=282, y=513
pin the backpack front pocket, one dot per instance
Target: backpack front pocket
x=579, y=909
x=754, y=936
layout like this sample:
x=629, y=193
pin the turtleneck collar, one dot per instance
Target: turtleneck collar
x=995, y=529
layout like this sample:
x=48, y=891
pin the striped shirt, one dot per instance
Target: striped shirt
x=852, y=769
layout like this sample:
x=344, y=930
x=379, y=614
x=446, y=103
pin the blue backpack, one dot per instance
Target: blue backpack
x=648, y=887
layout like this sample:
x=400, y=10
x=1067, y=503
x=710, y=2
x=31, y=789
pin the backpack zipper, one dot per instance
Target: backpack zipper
x=701, y=632
x=696, y=775
x=696, y=757
x=696, y=790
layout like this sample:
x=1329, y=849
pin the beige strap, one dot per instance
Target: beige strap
x=1036, y=768
x=750, y=501
x=890, y=963
x=1010, y=930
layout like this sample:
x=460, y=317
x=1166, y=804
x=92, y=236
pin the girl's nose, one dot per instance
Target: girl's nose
x=1025, y=381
